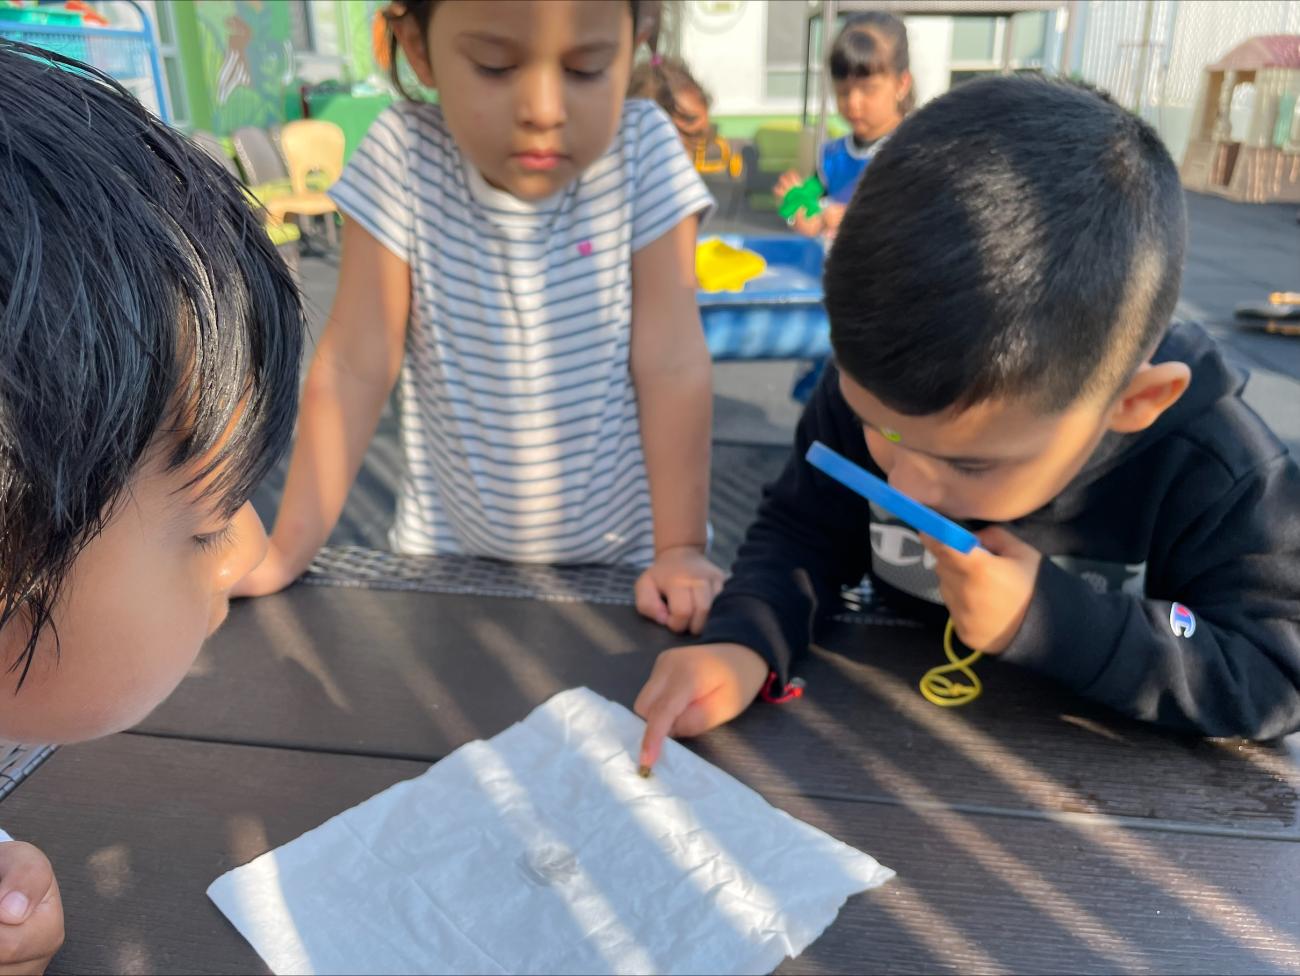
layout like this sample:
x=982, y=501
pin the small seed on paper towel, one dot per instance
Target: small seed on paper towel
x=643, y=772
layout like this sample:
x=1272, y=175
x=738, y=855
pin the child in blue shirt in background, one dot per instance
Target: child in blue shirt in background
x=869, y=67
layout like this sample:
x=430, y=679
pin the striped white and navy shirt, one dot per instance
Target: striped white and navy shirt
x=518, y=416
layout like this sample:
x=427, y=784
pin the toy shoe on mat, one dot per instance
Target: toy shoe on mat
x=1281, y=314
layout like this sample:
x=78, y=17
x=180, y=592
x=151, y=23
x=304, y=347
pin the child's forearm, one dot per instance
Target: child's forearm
x=676, y=409
x=1233, y=672
x=336, y=423
x=353, y=371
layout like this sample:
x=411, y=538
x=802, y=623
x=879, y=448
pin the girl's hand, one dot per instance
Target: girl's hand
x=832, y=214
x=31, y=911
x=694, y=689
x=678, y=589
x=785, y=183
x=271, y=575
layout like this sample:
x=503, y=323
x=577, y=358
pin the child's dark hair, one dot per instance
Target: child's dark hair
x=663, y=80
x=143, y=312
x=1018, y=237
x=873, y=43
x=645, y=20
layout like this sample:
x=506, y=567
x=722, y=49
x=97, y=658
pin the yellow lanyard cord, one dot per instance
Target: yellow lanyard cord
x=939, y=689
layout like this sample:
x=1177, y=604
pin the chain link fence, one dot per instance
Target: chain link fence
x=1150, y=54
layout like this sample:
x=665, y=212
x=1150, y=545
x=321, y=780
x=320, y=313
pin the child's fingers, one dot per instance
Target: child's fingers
x=661, y=715
x=702, y=715
x=25, y=880
x=696, y=720
x=681, y=604
x=649, y=603
x=944, y=555
x=1000, y=542
x=652, y=689
x=702, y=599
x=27, y=948
x=949, y=560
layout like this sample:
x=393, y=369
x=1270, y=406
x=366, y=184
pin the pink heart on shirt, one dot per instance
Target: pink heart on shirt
x=584, y=248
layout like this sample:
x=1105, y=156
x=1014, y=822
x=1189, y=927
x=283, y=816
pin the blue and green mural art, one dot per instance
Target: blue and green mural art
x=248, y=58
x=243, y=70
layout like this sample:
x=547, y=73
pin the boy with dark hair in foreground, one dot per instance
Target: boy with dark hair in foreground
x=149, y=347
x=1000, y=297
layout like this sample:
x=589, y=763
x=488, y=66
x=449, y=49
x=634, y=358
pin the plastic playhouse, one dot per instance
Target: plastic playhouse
x=1263, y=166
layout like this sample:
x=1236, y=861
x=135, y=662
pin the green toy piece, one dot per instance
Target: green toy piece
x=807, y=196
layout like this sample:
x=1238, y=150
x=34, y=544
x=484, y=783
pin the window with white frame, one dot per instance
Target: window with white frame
x=783, y=67
x=977, y=44
x=980, y=44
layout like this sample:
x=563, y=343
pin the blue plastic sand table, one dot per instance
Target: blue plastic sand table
x=777, y=315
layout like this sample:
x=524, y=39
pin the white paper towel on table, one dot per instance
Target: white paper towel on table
x=542, y=850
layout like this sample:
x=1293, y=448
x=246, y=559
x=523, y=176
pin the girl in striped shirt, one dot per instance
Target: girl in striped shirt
x=519, y=259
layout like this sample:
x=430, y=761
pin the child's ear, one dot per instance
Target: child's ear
x=904, y=85
x=415, y=46
x=1153, y=390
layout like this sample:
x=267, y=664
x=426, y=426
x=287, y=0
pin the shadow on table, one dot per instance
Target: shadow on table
x=1122, y=841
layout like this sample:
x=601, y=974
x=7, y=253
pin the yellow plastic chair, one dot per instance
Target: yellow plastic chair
x=284, y=236
x=313, y=152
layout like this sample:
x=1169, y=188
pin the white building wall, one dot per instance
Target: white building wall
x=725, y=46
x=727, y=53
x=929, y=42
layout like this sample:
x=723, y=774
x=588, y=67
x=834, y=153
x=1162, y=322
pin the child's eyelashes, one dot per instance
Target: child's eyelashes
x=502, y=71
x=216, y=541
x=971, y=470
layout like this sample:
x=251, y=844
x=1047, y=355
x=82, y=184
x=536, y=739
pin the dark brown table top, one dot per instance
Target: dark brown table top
x=1031, y=832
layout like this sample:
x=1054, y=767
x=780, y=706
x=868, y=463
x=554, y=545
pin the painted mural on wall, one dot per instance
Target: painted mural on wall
x=246, y=49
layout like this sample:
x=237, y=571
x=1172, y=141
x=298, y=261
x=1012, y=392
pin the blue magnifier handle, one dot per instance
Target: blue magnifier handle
x=892, y=500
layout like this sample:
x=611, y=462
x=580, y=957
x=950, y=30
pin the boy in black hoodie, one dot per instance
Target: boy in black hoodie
x=1000, y=295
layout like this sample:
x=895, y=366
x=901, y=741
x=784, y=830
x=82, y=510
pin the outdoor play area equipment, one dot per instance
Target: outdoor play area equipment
x=776, y=314
x=1261, y=165
x=713, y=155
x=313, y=149
x=76, y=31
x=721, y=267
x=1280, y=315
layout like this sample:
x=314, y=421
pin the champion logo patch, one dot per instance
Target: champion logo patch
x=1181, y=621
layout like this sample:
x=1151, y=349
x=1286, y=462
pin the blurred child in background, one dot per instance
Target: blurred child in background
x=869, y=67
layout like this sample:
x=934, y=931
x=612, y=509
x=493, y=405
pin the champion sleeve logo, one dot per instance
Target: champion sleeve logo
x=1181, y=621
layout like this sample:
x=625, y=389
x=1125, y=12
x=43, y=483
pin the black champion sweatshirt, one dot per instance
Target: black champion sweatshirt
x=1170, y=590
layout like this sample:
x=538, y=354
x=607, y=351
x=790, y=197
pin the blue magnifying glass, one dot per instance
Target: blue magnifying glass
x=893, y=501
